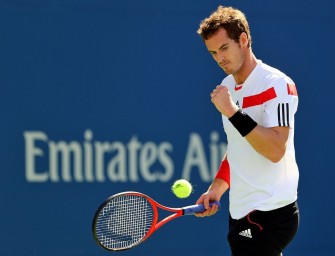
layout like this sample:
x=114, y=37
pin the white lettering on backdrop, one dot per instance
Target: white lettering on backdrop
x=101, y=161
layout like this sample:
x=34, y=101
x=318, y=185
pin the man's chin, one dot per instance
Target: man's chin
x=227, y=71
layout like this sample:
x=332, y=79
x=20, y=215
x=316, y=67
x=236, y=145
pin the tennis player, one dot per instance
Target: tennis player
x=258, y=104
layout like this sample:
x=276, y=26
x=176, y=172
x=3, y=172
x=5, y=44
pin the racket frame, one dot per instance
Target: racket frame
x=155, y=225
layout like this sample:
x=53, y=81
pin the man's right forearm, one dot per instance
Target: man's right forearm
x=218, y=187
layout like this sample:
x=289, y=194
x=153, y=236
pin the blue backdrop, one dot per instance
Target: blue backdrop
x=99, y=97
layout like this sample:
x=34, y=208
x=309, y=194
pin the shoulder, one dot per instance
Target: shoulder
x=275, y=78
x=273, y=74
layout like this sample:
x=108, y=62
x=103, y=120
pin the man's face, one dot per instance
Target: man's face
x=226, y=52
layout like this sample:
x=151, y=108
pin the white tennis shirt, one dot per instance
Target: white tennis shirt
x=270, y=98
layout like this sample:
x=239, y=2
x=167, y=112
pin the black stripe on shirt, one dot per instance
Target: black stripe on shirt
x=283, y=114
x=287, y=114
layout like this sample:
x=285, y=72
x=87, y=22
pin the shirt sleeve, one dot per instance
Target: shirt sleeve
x=224, y=171
x=281, y=109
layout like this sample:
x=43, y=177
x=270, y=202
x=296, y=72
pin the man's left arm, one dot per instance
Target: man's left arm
x=269, y=142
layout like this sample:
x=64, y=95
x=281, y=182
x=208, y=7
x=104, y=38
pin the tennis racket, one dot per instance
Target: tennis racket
x=127, y=219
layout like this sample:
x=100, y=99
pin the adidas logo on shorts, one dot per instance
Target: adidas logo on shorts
x=246, y=233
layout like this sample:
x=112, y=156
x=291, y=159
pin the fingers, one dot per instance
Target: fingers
x=205, y=200
x=209, y=212
x=219, y=89
x=200, y=200
x=223, y=101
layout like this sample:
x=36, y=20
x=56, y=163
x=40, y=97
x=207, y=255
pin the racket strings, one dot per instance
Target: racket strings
x=124, y=222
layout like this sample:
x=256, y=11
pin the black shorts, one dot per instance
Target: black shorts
x=263, y=233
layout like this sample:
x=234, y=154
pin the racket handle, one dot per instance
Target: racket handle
x=198, y=208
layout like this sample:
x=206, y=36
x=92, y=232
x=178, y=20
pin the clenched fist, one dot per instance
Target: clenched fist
x=222, y=100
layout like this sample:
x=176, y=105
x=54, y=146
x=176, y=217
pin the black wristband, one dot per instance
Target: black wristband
x=242, y=122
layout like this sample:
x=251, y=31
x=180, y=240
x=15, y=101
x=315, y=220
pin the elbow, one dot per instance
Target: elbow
x=275, y=159
x=276, y=156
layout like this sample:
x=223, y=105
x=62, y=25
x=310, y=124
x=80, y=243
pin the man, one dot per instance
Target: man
x=257, y=103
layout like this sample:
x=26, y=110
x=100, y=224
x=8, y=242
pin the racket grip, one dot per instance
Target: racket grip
x=198, y=208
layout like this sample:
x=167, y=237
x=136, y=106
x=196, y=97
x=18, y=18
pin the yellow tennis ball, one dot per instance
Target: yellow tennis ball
x=182, y=188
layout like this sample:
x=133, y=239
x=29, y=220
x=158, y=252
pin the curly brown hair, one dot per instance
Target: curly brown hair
x=232, y=20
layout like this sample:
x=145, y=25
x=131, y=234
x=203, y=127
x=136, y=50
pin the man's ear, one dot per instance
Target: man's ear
x=244, y=41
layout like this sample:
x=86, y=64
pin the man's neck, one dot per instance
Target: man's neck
x=247, y=67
